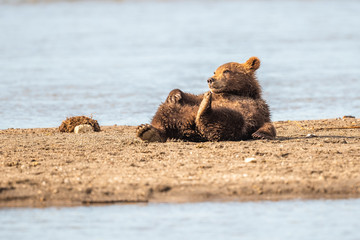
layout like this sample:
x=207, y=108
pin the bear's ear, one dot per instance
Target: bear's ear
x=253, y=63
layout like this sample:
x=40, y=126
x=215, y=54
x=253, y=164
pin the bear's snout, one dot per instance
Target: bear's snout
x=210, y=80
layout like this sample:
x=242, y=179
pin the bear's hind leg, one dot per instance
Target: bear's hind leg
x=149, y=133
x=266, y=131
x=175, y=96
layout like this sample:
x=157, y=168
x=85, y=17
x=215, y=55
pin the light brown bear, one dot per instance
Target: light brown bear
x=232, y=110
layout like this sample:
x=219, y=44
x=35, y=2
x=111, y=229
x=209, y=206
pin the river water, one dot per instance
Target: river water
x=295, y=220
x=117, y=60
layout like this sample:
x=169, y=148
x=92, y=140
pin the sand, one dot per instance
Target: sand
x=308, y=160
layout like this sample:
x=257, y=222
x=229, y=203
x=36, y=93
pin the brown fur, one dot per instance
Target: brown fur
x=69, y=124
x=232, y=110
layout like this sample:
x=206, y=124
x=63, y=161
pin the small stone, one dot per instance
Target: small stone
x=88, y=190
x=310, y=135
x=83, y=128
x=250, y=160
x=164, y=188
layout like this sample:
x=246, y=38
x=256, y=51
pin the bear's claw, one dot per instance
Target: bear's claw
x=148, y=133
x=259, y=135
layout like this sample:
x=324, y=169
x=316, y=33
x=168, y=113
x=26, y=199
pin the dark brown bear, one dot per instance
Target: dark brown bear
x=232, y=110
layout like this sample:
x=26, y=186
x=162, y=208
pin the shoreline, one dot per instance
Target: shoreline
x=313, y=159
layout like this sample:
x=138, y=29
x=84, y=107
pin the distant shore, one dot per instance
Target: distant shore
x=308, y=160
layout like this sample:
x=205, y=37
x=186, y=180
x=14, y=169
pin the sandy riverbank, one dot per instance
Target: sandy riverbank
x=43, y=167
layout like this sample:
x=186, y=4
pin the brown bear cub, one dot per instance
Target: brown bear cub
x=232, y=110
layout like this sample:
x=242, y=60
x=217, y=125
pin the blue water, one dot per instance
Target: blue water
x=295, y=220
x=118, y=60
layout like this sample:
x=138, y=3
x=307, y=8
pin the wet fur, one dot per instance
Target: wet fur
x=232, y=110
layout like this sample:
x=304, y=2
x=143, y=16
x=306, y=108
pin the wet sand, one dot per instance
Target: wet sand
x=43, y=167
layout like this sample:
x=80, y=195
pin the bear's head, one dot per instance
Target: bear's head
x=237, y=78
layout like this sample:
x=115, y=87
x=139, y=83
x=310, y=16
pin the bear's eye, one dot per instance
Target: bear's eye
x=226, y=71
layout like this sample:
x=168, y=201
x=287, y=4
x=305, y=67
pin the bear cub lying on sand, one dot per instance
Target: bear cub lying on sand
x=232, y=110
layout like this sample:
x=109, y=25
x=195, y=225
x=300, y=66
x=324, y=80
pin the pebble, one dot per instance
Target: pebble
x=248, y=160
x=310, y=135
x=348, y=116
x=83, y=128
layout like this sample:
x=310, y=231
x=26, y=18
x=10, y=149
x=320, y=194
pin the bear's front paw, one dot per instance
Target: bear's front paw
x=175, y=96
x=205, y=105
x=206, y=102
x=149, y=134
